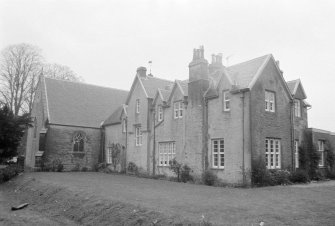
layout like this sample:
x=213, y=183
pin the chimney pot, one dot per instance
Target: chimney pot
x=142, y=72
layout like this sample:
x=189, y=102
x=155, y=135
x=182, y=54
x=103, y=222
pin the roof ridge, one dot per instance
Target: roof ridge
x=159, y=79
x=295, y=80
x=248, y=61
x=86, y=84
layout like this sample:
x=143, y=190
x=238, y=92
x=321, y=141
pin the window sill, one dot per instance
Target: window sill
x=163, y=166
x=217, y=168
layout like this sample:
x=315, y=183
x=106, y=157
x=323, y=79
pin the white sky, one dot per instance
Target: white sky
x=105, y=41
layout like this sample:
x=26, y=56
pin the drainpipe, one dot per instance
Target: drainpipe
x=126, y=145
x=243, y=148
x=205, y=133
x=102, y=144
x=243, y=91
x=154, y=147
x=292, y=135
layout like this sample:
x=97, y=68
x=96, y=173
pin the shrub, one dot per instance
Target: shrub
x=132, y=168
x=76, y=168
x=280, y=177
x=57, y=165
x=209, y=178
x=185, y=174
x=9, y=172
x=331, y=174
x=260, y=175
x=299, y=176
x=175, y=166
x=46, y=166
x=84, y=169
x=181, y=171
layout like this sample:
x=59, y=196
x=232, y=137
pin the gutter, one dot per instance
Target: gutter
x=243, y=91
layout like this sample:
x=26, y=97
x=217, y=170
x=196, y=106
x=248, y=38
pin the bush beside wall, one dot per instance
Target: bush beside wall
x=9, y=172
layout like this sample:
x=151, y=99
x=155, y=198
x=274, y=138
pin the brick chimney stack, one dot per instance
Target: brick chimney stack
x=216, y=64
x=142, y=72
x=198, y=68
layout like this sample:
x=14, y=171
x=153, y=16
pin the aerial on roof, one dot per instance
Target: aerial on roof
x=81, y=104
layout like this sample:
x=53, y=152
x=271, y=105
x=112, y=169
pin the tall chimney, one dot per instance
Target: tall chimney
x=216, y=64
x=198, y=68
x=142, y=72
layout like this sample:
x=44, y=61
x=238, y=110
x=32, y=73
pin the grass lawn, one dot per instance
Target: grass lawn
x=312, y=204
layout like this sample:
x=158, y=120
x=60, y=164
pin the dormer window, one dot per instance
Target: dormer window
x=226, y=101
x=297, y=108
x=269, y=101
x=178, y=109
x=160, y=113
x=137, y=106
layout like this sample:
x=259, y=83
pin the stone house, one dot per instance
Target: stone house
x=225, y=119
x=67, y=122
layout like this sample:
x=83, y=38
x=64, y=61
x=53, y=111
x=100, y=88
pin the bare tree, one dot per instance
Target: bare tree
x=20, y=67
x=59, y=71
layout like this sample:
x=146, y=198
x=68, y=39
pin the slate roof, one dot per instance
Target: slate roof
x=184, y=86
x=152, y=83
x=80, y=104
x=243, y=73
x=292, y=85
x=114, y=118
x=165, y=93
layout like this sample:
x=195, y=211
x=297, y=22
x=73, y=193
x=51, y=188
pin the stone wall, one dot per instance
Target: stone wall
x=138, y=154
x=170, y=130
x=271, y=124
x=39, y=111
x=59, y=145
x=229, y=125
x=114, y=135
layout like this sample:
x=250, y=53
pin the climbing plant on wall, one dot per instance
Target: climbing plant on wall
x=309, y=156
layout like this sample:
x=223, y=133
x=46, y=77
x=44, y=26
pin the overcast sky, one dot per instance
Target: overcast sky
x=105, y=41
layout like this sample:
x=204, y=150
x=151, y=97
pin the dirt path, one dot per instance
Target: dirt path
x=99, y=199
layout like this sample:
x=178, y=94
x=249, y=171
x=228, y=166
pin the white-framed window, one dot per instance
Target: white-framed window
x=270, y=101
x=138, y=136
x=167, y=152
x=321, y=149
x=218, y=153
x=178, y=109
x=272, y=153
x=226, y=101
x=296, y=153
x=137, y=106
x=297, y=108
x=109, y=155
x=124, y=125
x=160, y=113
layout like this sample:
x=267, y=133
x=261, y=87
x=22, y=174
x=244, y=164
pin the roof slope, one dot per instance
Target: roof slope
x=292, y=85
x=152, y=83
x=114, y=118
x=242, y=74
x=80, y=104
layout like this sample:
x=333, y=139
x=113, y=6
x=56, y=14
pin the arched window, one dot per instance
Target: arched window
x=78, y=142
